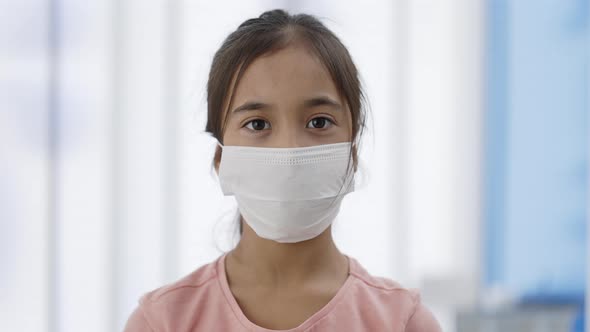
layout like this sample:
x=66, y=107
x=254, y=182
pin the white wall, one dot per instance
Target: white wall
x=442, y=149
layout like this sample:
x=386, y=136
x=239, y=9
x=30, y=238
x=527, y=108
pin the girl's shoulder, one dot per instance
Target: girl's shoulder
x=403, y=303
x=199, y=278
x=175, y=303
x=378, y=283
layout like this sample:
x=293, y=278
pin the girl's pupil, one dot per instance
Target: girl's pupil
x=319, y=122
x=258, y=124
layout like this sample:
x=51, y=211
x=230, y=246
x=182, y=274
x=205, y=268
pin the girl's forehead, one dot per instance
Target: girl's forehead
x=293, y=72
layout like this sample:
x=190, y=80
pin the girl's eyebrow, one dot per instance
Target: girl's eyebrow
x=251, y=106
x=309, y=103
x=322, y=101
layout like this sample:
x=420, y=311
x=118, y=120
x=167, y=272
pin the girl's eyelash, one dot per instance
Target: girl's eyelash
x=327, y=117
x=248, y=122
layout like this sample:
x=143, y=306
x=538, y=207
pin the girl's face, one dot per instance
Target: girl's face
x=287, y=99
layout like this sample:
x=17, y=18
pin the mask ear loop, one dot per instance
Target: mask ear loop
x=216, y=154
x=348, y=180
x=238, y=216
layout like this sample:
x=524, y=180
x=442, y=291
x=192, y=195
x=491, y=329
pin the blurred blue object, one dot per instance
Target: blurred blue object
x=536, y=148
x=580, y=323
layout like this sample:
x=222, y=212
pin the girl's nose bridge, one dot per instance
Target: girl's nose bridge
x=289, y=134
x=289, y=137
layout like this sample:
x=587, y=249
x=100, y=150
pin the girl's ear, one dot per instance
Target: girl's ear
x=217, y=158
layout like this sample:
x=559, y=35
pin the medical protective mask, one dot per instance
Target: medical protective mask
x=287, y=194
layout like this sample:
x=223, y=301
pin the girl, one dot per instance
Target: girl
x=285, y=104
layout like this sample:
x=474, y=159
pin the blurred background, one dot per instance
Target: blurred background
x=475, y=177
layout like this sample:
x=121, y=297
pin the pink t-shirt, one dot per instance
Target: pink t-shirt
x=202, y=301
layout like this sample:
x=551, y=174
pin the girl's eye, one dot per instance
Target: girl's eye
x=258, y=125
x=319, y=123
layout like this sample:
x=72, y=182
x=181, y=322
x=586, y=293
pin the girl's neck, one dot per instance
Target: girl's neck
x=270, y=262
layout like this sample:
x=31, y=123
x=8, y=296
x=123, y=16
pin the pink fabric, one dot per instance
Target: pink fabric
x=202, y=301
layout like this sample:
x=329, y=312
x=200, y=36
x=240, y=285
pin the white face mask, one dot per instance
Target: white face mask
x=287, y=194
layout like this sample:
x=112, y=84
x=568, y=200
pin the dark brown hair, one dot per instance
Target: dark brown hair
x=272, y=31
